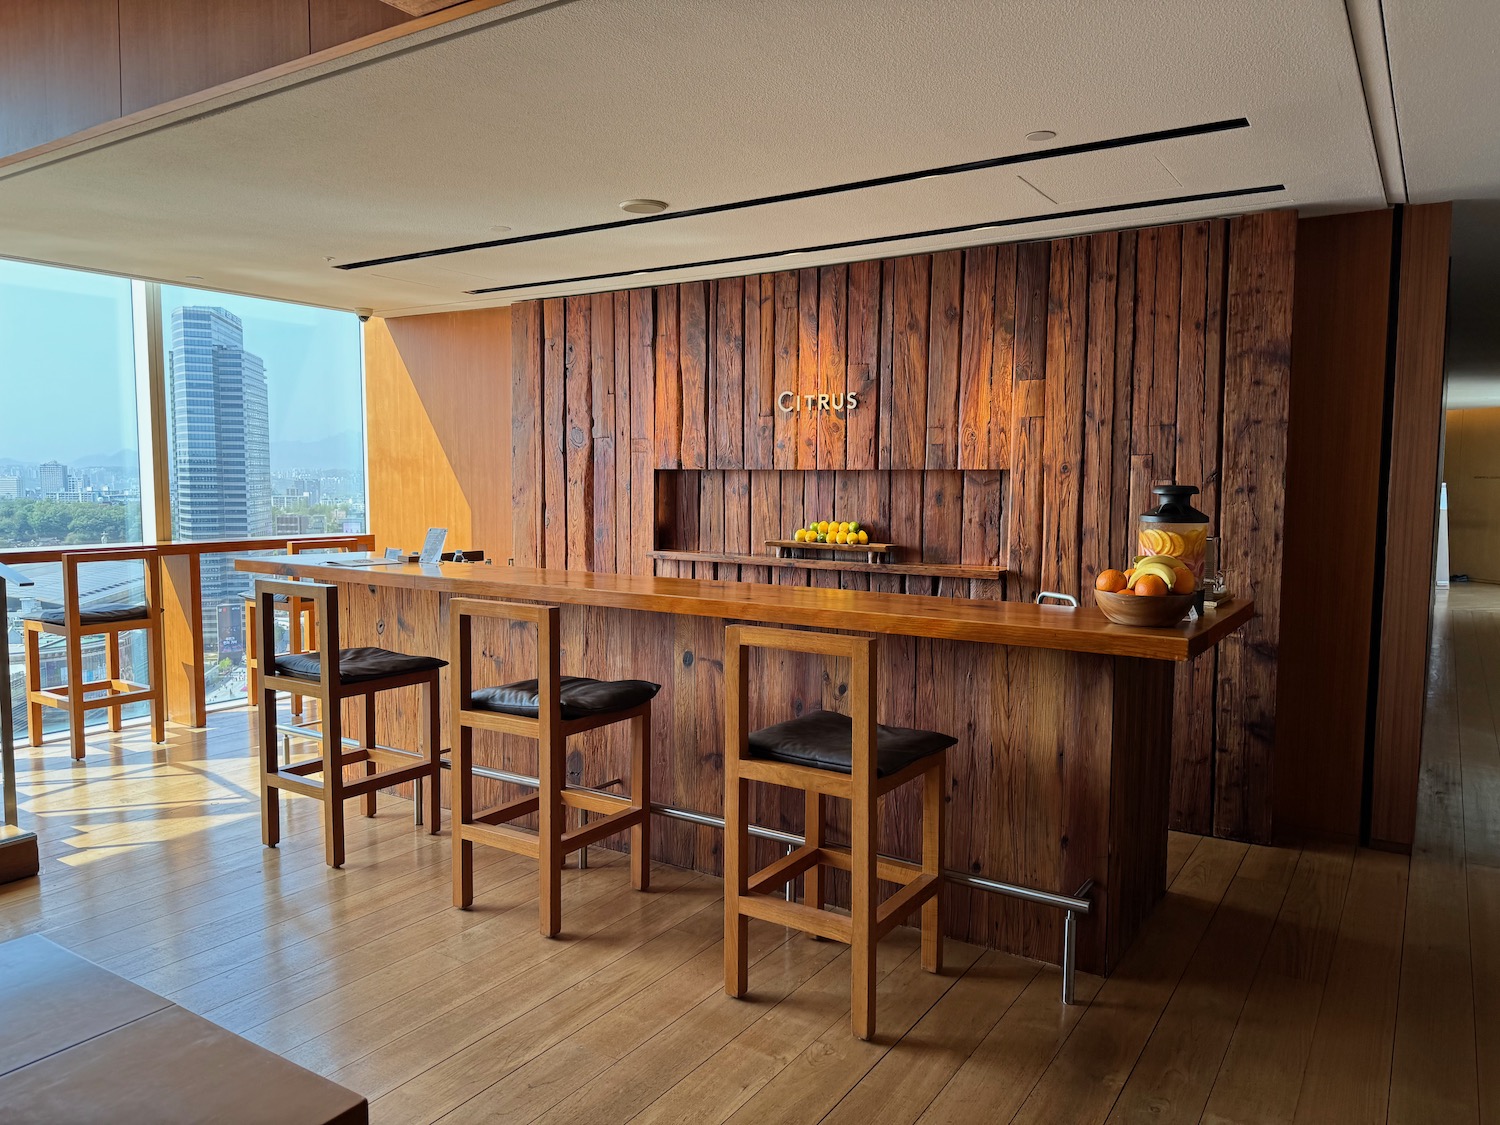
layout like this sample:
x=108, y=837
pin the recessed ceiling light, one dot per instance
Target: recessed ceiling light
x=1041, y=135
x=193, y=277
x=643, y=206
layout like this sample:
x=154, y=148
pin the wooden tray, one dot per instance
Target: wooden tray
x=783, y=548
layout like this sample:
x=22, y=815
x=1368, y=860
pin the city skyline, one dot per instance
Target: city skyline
x=43, y=354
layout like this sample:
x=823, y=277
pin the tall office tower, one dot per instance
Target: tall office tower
x=220, y=442
x=53, y=478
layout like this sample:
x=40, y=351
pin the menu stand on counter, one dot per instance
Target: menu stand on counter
x=19, y=857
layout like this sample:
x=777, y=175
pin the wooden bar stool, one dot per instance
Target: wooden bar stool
x=74, y=621
x=828, y=755
x=357, y=672
x=547, y=709
x=303, y=622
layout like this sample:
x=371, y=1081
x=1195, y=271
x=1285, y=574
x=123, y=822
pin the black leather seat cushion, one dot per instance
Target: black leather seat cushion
x=94, y=615
x=357, y=665
x=582, y=698
x=824, y=739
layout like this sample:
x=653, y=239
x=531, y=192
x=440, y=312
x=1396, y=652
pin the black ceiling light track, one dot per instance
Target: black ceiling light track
x=1021, y=220
x=1204, y=129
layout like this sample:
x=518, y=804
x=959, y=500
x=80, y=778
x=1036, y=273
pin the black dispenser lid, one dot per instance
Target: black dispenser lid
x=1174, y=505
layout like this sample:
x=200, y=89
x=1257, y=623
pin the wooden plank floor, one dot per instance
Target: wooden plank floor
x=1326, y=984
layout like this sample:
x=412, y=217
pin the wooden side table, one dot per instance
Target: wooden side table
x=83, y=1044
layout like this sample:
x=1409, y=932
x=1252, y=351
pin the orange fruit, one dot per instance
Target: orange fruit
x=1111, y=581
x=1150, y=586
x=1185, y=582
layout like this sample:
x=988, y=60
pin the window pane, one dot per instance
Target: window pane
x=70, y=463
x=70, y=468
x=265, y=419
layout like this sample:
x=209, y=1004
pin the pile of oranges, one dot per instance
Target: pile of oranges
x=1153, y=577
x=847, y=532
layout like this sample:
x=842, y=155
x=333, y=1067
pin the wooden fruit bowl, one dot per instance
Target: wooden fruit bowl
x=1153, y=613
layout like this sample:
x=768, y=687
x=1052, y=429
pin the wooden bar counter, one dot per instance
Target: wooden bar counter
x=1063, y=719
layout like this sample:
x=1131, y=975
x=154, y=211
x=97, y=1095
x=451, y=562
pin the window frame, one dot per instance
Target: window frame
x=151, y=390
x=152, y=410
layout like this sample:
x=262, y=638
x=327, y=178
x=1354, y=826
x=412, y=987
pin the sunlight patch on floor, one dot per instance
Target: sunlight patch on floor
x=92, y=843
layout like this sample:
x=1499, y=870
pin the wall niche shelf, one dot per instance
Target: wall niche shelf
x=929, y=570
x=790, y=548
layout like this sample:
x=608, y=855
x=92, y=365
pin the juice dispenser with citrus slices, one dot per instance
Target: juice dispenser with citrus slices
x=1174, y=527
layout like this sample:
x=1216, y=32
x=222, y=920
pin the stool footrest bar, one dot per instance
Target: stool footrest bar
x=785, y=869
x=779, y=912
x=890, y=913
x=502, y=814
x=385, y=779
x=593, y=801
x=294, y=784
x=597, y=830
x=500, y=836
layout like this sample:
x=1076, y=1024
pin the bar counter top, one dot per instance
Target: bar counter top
x=1020, y=624
x=20, y=556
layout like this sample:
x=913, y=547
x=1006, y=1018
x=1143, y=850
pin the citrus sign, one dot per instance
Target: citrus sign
x=793, y=403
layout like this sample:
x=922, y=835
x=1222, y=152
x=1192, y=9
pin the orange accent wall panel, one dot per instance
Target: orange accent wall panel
x=437, y=401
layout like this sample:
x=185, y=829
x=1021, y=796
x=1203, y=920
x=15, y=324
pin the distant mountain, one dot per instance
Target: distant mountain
x=119, y=459
x=340, y=451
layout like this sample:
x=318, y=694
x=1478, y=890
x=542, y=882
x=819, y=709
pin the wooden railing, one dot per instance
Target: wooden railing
x=182, y=602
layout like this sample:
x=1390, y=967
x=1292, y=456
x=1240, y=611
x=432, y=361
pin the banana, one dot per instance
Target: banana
x=1151, y=566
x=1169, y=560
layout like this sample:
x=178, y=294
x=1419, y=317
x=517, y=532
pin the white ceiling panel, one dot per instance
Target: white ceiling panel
x=1092, y=176
x=544, y=116
x=1445, y=73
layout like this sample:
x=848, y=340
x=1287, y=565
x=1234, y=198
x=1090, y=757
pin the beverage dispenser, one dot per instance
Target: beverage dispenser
x=1174, y=527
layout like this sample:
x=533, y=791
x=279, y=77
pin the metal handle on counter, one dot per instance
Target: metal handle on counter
x=1067, y=599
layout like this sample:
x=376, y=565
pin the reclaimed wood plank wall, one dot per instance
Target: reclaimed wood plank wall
x=1015, y=404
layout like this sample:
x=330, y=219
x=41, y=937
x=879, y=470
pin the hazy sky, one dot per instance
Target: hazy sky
x=67, y=356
